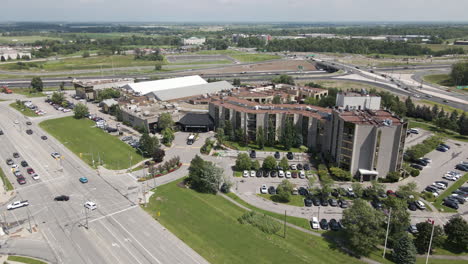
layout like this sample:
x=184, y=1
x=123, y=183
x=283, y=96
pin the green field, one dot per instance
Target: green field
x=440, y=79
x=25, y=260
x=247, y=58
x=24, y=110
x=208, y=223
x=80, y=136
x=439, y=200
x=298, y=221
x=24, y=39
x=202, y=62
x=345, y=85
x=436, y=130
x=446, y=108
x=6, y=183
x=295, y=200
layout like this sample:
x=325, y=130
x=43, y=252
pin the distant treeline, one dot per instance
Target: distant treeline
x=359, y=46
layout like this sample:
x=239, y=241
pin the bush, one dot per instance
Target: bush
x=393, y=176
x=262, y=222
x=340, y=174
x=418, y=151
x=414, y=172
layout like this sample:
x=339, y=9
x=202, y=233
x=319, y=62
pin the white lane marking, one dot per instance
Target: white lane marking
x=111, y=214
x=124, y=246
x=136, y=240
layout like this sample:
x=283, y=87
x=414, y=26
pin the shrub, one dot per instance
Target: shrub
x=262, y=222
x=418, y=151
x=414, y=172
x=340, y=174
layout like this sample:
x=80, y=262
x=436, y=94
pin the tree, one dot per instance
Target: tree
x=236, y=82
x=36, y=84
x=393, y=176
x=107, y=94
x=459, y=73
x=168, y=136
x=260, y=137
x=424, y=234
x=457, y=232
x=204, y=176
x=341, y=174
x=220, y=136
x=57, y=98
x=288, y=135
x=283, y=78
x=165, y=121
x=269, y=163
x=375, y=189
x=256, y=165
x=62, y=86
x=276, y=99
x=228, y=130
x=271, y=135
x=147, y=144
x=243, y=162
x=283, y=191
x=408, y=190
x=400, y=218
x=158, y=155
x=240, y=136
x=157, y=67
x=284, y=163
x=85, y=54
x=404, y=251
x=357, y=188
x=2, y=59
x=80, y=111
x=363, y=227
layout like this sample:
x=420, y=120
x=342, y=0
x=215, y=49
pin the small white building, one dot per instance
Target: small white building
x=194, y=41
x=357, y=101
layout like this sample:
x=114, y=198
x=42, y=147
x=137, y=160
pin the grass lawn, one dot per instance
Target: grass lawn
x=23, y=39
x=254, y=57
x=208, y=223
x=446, y=108
x=440, y=79
x=235, y=145
x=296, y=200
x=238, y=173
x=80, y=136
x=439, y=200
x=27, y=92
x=202, y=62
x=377, y=256
x=298, y=221
x=345, y=85
x=6, y=183
x=25, y=260
x=440, y=132
x=23, y=109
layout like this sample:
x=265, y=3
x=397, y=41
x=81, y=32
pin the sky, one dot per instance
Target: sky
x=234, y=10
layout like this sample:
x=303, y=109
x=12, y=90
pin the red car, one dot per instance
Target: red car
x=294, y=174
x=30, y=171
x=391, y=193
x=21, y=180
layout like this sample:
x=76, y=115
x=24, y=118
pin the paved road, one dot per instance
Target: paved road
x=119, y=231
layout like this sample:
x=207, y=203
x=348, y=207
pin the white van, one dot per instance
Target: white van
x=314, y=223
x=190, y=139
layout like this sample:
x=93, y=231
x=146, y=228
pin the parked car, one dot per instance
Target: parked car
x=264, y=189
x=299, y=166
x=245, y=174
x=294, y=174
x=273, y=174
x=30, y=171
x=427, y=160
x=44, y=137
x=55, y=155
x=272, y=190
x=442, y=149
x=259, y=174
x=412, y=206
x=420, y=205
x=290, y=156
x=303, y=191
x=376, y=204
x=17, y=173
x=281, y=174
x=302, y=174
x=314, y=223
x=316, y=201
x=253, y=154
x=62, y=198
x=293, y=167
x=414, y=130
x=324, y=224
x=29, y=131
x=343, y=203
x=416, y=166
x=277, y=155
x=444, y=145
x=350, y=192
x=421, y=162
x=24, y=163
x=412, y=229
x=9, y=162
x=306, y=167
x=16, y=155
x=21, y=180
x=288, y=174
x=461, y=167
x=17, y=204
x=323, y=202
x=334, y=225
x=450, y=203
x=333, y=202
x=83, y=180
x=308, y=202
x=253, y=173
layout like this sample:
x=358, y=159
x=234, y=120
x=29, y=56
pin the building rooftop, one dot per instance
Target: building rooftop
x=192, y=90
x=355, y=94
x=166, y=84
x=370, y=117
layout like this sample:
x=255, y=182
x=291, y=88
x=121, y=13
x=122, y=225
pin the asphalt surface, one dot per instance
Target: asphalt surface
x=119, y=231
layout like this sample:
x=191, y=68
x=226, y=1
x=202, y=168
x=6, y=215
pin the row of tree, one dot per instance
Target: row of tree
x=459, y=73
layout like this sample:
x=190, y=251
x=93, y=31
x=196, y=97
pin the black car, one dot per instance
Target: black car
x=323, y=202
x=29, y=132
x=458, y=199
x=28, y=123
x=290, y=156
x=444, y=145
x=430, y=189
x=334, y=225
x=343, y=203
x=324, y=224
x=299, y=166
x=1, y=132
x=253, y=154
x=62, y=198
x=277, y=155
x=376, y=204
x=316, y=201
x=44, y=137
x=417, y=166
x=303, y=191
x=421, y=162
x=333, y=202
x=306, y=167
x=111, y=129
x=412, y=206
x=9, y=162
x=308, y=202
x=273, y=174
x=259, y=173
x=335, y=193
x=451, y=204
x=24, y=163
x=271, y=190
x=16, y=155
x=461, y=167
x=266, y=174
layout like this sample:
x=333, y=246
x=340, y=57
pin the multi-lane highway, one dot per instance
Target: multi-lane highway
x=118, y=231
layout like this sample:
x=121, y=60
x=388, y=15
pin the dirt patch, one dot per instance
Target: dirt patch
x=283, y=65
x=181, y=185
x=196, y=58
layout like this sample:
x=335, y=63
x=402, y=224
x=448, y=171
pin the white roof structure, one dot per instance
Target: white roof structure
x=145, y=88
x=192, y=90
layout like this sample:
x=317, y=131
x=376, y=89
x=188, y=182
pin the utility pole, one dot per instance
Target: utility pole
x=284, y=235
x=430, y=241
x=86, y=214
x=5, y=224
x=319, y=213
x=386, y=235
x=29, y=220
